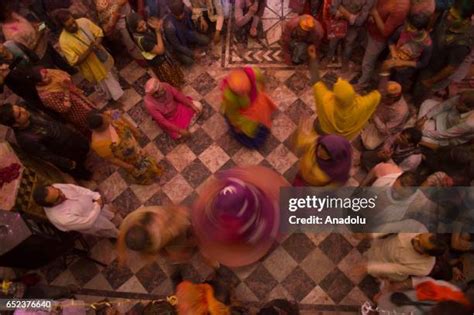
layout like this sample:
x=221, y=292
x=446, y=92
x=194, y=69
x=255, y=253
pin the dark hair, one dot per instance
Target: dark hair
x=450, y=307
x=94, y=120
x=439, y=246
x=6, y=9
x=409, y=179
x=35, y=74
x=39, y=195
x=468, y=96
x=419, y=21
x=62, y=16
x=465, y=8
x=414, y=135
x=176, y=7
x=137, y=238
x=7, y=117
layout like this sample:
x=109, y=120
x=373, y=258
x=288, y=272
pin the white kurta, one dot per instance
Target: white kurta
x=81, y=212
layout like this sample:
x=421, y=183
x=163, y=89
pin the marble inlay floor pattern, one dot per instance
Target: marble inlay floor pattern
x=316, y=270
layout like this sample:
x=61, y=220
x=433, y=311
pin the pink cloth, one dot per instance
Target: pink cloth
x=172, y=112
x=393, y=14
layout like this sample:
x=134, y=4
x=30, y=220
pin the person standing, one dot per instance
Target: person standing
x=47, y=140
x=149, y=39
x=180, y=33
x=58, y=93
x=73, y=208
x=80, y=41
x=385, y=18
x=113, y=138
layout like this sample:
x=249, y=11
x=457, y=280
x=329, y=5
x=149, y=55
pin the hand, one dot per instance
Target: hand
x=203, y=25
x=217, y=37
x=185, y=133
x=312, y=52
x=4, y=70
x=253, y=32
x=253, y=8
x=388, y=64
x=196, y=109
x=373, y=11
x=421, y=122
x=100, y=202
x=155, y=23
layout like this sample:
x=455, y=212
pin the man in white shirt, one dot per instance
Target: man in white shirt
x=74, y=208
x=396, y=257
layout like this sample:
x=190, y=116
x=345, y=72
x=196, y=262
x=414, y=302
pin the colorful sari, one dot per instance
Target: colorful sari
x=127, y=150
x=54, y=94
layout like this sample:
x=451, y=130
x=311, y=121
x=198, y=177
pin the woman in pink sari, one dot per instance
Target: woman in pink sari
x=170, y=108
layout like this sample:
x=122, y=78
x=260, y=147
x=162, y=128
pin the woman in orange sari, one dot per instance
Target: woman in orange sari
x=58, y=93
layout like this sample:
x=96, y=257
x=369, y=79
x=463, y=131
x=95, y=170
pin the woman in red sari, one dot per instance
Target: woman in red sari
x=58, y=93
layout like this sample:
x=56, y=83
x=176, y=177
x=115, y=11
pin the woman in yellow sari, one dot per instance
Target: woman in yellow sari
x=113, y=138
x=324, y=160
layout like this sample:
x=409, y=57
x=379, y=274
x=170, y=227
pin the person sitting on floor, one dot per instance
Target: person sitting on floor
x=170, y=108
x=389, y=118
x=410, y=49
x=448, y=123
x=299, y=33
x=247, y=107
x=401, y=149
x=73, y=208
x=180, y=33
x=208, y=14
x=248, y=19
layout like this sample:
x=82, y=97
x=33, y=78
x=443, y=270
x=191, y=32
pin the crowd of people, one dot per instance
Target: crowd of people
x=403, y=110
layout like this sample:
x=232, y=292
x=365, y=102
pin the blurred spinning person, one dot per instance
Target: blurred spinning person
x=156, y=230
x=236, y=218
x=247, y=107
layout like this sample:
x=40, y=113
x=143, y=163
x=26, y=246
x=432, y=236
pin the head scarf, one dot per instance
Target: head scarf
x=340, y=151
x=152, y=85
x=306, y=22
x=439, y=291
x=344, y=92
x=198, y=299
x=132, y=21
x=394, y=88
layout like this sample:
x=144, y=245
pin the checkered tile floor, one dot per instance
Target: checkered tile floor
x=317, y=270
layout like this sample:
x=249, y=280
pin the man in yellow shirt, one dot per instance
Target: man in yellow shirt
x=80, y=41
x=341, y=111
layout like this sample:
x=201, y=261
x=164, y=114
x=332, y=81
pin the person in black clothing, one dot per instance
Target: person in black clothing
x=48, y=140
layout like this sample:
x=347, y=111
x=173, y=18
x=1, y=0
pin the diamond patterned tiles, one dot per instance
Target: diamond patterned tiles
x=317, y=269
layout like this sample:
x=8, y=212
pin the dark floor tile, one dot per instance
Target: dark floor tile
x=298, y=245
x=199, y=141
x=369, y=286
x=164, y=143
x=336, y=247
x=336, y=285
x=204, y=84
x=298, y=82
x=168, y=171
x=83, y=270
x=291, y=172
x=126, y=202
x=207, y=112
x=53, y=269
x=116, y=275
x=158, y=199
x=268, y=146
x=138, y=113
x=228, y=165
x=151, y=276
x=261, y=282
x=227, y=276
x=189, y=201
x=196, y=173
x=190, y=273
x=229, y=144
x=363, y=246
x=298, y=284
x=139, y=85
x=298, y=110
